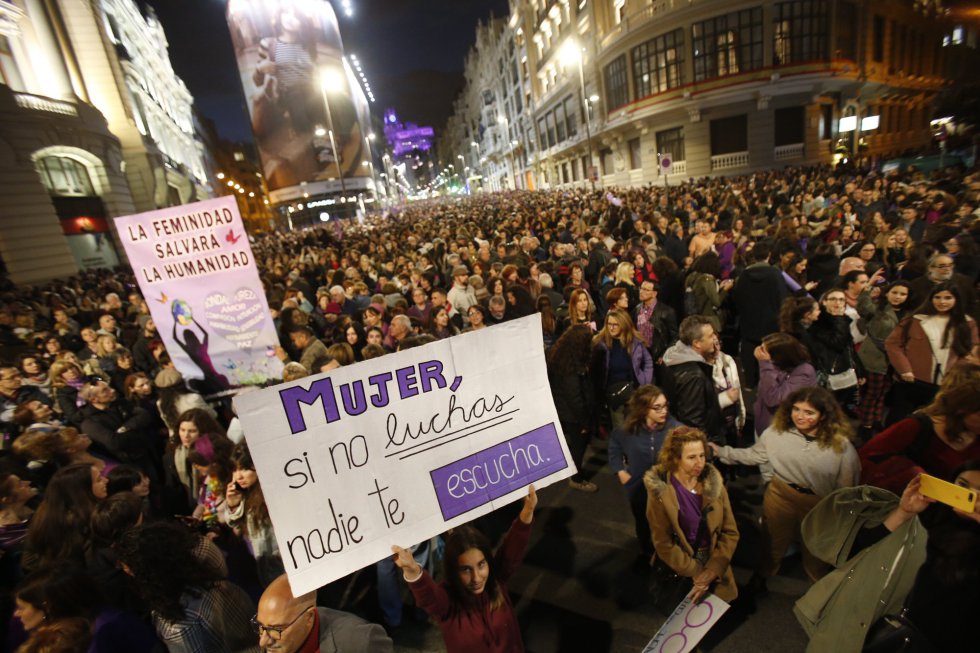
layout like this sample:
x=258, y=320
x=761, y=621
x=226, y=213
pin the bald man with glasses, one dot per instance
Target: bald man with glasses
x=288, y=624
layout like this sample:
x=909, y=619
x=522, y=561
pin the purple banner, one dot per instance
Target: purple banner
x=492, y=473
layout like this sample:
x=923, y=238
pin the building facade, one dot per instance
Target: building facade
x=93, y=124
x=654, y=91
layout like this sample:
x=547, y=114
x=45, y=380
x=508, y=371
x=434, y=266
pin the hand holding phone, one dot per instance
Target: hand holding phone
x=960, y=498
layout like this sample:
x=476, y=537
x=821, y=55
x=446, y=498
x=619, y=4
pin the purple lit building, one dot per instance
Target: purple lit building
x=411, y=145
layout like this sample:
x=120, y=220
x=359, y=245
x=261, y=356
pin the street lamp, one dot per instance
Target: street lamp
x=571, y=53
x=330, y=81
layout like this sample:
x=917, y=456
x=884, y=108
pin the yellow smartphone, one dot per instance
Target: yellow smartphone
x=958, y=497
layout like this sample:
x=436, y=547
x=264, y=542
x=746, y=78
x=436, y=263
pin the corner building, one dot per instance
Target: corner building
x=722, y=86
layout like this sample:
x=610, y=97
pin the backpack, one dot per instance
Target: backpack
x=692, y=305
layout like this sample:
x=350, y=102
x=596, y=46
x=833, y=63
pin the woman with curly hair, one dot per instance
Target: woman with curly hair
x=192, y=605
x=182, y=478
x=691, y=519
x=471, y=604
x=809, y=448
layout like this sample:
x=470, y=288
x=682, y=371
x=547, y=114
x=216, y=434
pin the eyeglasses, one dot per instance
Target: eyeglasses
x=659, y=407
x=274, y=632
x=835, y=299
x=942, y=266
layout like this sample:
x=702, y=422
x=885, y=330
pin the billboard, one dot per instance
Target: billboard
x=299, y=87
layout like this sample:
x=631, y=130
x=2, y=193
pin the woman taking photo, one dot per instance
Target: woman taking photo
x=620, y=363
x=571, y=388
x=691, y=519
x=784, y=367
x=634, y=447
x=880, y=319
x=923, y=346
x=808, y=445
x=472, y=605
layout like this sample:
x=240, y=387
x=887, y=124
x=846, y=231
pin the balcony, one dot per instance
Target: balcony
x=657, y=9
x=46, y=104
x=678, y=168
x=729, y=161
x=788, y=152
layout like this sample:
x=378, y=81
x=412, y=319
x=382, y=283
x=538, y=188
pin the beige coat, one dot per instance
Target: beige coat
x=669, y=541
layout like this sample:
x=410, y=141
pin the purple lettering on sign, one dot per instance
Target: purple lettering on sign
x=486, y=475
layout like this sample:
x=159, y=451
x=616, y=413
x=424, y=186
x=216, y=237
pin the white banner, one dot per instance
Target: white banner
x=687, y=625
x=400, y=448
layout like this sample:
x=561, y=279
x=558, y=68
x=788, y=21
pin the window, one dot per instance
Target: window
x=9, y=73
x=788, y=124
x=800, y=31
x=571, y=111
x=826, y=121
x=560, y=122
x=658, y=64
x=635, y=154
x=551, y=129
x=670, y=142
x=617, y=90
x=173, y=196
x=878, y=39
x=543, y=133
x=729, y=135
x=586, y=165
x=845, y=46
x=608, y=164
x=65, y=177
x=728, y=44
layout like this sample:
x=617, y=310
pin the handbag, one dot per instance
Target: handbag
x=895, y=633
x=618, y=393
x=667, y=588
x=842, y=380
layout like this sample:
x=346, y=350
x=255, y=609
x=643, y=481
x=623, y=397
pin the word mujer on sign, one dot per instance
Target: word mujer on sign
x=353, y=399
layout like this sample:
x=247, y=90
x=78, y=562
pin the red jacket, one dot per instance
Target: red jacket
x=889, y=461
x=479, y=629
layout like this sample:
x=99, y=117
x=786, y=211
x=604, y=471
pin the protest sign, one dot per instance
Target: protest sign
x=687, y=625
x=196, y=271
x=400, y=448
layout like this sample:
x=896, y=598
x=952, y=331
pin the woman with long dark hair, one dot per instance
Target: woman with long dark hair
x=784, y=367
x=245, y=510
x=926, y=344
x=831, y=346
x=59, y=531
x=634, y=447
x=571, y=388
x=472, y=605
x=620, y=363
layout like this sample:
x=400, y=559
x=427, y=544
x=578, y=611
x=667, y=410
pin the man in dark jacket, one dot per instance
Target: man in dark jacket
x=117, y=429
x=758, y=295
x=688, y=381
x=655, y=321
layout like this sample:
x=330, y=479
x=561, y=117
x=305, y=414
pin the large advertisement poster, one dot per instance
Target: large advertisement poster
x=195, y=268
x=398, y=449
x=291, y=61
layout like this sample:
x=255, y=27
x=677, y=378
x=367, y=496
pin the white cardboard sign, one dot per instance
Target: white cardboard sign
x=400, y=448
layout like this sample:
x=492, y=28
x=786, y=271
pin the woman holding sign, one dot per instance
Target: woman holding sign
x=472, y=605
x=691, y=519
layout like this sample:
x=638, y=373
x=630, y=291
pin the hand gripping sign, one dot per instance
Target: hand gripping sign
x=400, y=448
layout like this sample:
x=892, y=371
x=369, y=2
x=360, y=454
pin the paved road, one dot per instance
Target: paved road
x=582, y=587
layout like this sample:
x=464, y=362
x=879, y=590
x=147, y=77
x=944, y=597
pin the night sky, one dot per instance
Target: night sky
x=410, y=50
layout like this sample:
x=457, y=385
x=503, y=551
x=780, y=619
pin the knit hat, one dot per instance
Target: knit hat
x=167, y=378
x=332, y=307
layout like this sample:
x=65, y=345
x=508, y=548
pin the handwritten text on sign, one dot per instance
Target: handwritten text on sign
x=397, y=449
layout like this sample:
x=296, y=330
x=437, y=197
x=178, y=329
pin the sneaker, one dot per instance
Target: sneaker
x=583, y=486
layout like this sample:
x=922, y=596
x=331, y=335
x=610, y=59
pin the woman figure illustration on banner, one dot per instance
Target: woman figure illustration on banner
x=196, y=349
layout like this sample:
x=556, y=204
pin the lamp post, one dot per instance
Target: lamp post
x=461, y=171
x=330, y=81
x=480, y=160
x=374, y=175
x=571, y=53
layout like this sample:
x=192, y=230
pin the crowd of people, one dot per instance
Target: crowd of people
x=816, y=326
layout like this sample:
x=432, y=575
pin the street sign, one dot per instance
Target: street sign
x=666, y=163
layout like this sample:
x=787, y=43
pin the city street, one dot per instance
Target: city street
x=583, y=586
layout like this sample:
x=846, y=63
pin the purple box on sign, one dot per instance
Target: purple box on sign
x=486, y=475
